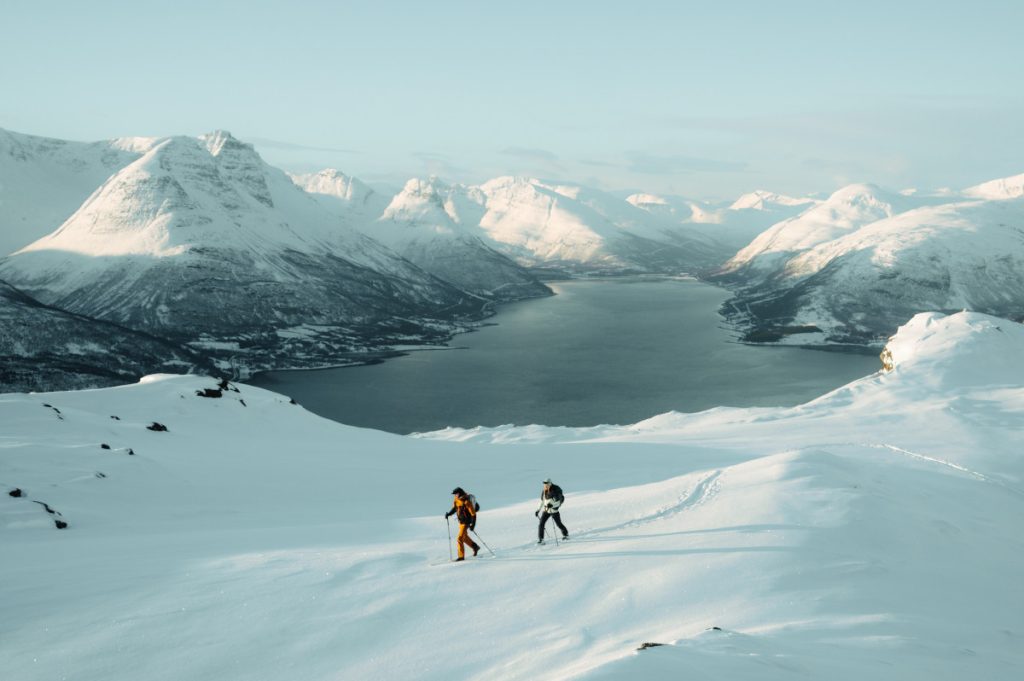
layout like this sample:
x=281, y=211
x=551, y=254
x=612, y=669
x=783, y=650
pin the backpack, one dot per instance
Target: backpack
x=472, y=500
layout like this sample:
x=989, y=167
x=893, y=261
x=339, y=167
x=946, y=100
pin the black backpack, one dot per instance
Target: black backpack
x=472, y=500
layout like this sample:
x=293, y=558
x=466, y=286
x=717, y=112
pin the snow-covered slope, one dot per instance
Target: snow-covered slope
x=431, y=224
x=733, y=226
x=846, y=210
x=43, y=181
x=578, y=227
x=763, y=200
x=870, y=533
x=536, y=223
x=343, y=195
x=854, y=276
x=200, y=239
x=1002, y=188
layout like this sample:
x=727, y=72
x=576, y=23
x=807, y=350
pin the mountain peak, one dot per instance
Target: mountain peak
x=856, y=190
x=646, y=200
x=335, y=185
x=761, y=199
x=217, y=140
x=1000, y=189
x=965, y=348
x=426, y=187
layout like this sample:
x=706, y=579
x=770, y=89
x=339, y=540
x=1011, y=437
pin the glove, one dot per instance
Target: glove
x=472, y=528
x=536, y=514
x=448, y=514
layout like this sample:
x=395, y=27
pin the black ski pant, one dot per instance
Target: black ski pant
x=557, y=517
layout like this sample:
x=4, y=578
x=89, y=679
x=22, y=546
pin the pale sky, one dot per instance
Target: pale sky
x=704, y=99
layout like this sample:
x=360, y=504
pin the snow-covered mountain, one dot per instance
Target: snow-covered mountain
x=1002, y=188
x=43, y=181
x=733, y=225
x=575, y=227
x=42, y=346
x=432, y=225
x=845, y=211
x=852, y=268
x=343, y=195
x=200, y=241
x=871, y=533
x=535, y=223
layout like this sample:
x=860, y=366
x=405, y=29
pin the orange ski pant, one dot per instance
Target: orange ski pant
x=464, y=539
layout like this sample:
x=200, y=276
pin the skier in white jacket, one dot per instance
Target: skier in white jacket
x=551, y=499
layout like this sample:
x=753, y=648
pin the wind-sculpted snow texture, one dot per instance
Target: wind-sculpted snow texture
x=871, y=533
x=856, y=266
x=200, y=242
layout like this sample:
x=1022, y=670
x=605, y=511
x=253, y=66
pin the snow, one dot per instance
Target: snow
x=527, y=219
x=866, y=259
x=765, y=200
x=200, y=236
x=1002, y=188
x=844, y=211
x=733, y=225
x=43, y=181
x=872, y=532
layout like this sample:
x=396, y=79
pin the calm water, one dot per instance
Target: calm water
x=598, y=352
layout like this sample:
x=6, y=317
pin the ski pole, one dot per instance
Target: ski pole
x=545, y=526
x=483, y=542
x=449, y=524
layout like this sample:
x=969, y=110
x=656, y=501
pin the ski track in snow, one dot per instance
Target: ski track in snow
x=704, y=491
x=981, y=477
x=949, y=464
x=706, y=488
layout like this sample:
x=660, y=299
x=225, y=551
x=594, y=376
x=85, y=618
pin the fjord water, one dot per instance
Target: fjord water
x=599, y=352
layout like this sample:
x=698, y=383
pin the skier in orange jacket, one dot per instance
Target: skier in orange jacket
x=465, y=509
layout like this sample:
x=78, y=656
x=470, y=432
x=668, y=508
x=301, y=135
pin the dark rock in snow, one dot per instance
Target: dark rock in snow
x=104, y=446
x=157, y=427
x=16, y=492
x=60, y=524
x=209, y=392
x=644, y=646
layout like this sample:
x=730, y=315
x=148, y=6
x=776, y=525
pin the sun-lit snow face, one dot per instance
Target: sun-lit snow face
x=997, y=190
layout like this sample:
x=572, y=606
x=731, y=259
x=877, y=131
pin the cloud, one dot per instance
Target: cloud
x=673, y=164
x=531, y=154
x=440, y=165
x=278, y=144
